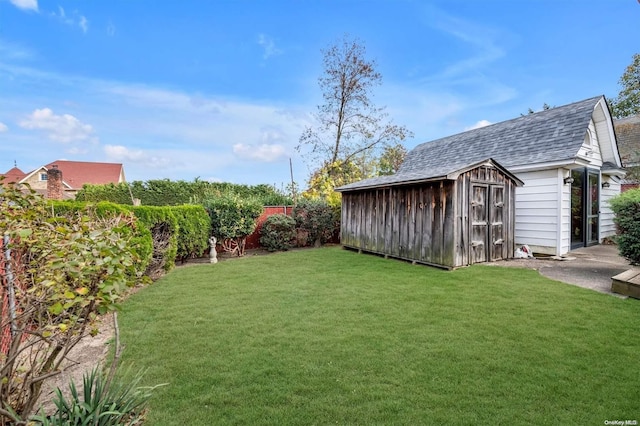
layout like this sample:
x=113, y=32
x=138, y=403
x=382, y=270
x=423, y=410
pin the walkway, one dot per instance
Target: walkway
x=588, y=267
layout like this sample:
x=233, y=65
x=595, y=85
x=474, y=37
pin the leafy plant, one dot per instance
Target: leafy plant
x=101, y=403
x=232, y=220
x=626, y=206
x=61, y=272
x=278, y=232
x=627, y=103
x=316, y=217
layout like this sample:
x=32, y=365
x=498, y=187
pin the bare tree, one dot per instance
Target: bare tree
x=348, y=122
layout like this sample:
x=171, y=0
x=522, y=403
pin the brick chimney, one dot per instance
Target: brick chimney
x=55, y=188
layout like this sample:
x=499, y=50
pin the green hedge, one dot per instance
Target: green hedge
x=142, y=241
x=164, y=192
x=194, y=230
x=164, y=234
x=626, y=206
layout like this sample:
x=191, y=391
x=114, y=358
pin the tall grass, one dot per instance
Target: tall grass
x=330, y=336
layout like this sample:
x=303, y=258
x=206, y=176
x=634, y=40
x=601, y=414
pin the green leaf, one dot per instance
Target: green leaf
x=56, y=309
x=23, y=233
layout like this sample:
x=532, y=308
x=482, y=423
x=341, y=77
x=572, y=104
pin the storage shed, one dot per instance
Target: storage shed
x=454, y=215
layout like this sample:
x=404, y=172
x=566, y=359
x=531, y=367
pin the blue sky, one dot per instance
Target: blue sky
x=222, y=90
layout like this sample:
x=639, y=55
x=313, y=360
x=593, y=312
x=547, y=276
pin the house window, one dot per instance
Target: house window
x=43, y=176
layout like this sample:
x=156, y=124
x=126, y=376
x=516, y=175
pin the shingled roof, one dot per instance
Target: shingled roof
x=14, y=175
x=628, y=134
x=552, y=135
x=77, y=173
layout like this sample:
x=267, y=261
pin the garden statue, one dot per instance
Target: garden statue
x=213, y=255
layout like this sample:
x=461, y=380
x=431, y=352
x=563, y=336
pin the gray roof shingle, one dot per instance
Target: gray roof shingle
x=628, y=136
x=551, y=135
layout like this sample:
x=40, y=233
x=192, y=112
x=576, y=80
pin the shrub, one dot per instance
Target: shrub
x=277, y=232
x=163, y=225
x=317, y=218
x=626, y=206
x=232, y=219
x=65, y=270
x=141, y=240
x=194, y=230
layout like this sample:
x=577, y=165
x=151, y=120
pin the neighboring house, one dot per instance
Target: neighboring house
x=567, y=158
x=74, y=175
x=14, y=175
x=628, y=135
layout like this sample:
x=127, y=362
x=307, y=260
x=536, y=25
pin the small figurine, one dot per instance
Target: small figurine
x=213, y=254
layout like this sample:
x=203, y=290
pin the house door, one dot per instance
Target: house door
x=585, y=214
x=487, y=226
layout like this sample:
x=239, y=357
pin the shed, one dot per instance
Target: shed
x=449, y=217
x=567, y=158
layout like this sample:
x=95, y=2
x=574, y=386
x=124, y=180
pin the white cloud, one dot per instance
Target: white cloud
x=75, y=20
x=119, y=152
x=84, y=24
x=3, y=127
x=268, y=45
x=11, y=50
x=122, y=153
x=60, y=128
x=157, y=132
x=479, y=124
x=264, y=153
x=25, y=4
x=111, y=29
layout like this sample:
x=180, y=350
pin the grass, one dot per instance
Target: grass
x=329, y=336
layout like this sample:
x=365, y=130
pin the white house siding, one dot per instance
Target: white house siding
x=565, y=212
x=538, y=211
x=607, y=227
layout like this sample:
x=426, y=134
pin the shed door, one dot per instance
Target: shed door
x=496, y=223
x=487, y=227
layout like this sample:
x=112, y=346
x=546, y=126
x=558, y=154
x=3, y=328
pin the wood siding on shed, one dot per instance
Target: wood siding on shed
x=407, y=222
x=430, y=222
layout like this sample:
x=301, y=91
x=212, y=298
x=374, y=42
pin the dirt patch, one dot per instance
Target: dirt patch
x=89, y=353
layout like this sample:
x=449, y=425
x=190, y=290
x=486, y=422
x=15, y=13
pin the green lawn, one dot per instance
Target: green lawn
x=329, y=336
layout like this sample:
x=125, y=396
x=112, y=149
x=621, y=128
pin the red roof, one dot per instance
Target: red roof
x=14, y=175
x=77, y=173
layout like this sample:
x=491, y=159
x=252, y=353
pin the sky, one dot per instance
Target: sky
x=222, y=90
